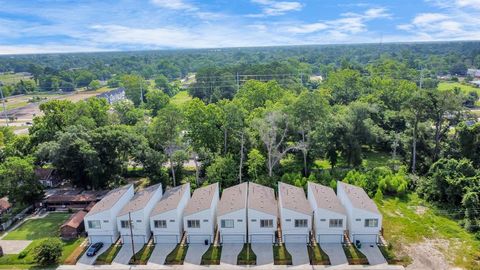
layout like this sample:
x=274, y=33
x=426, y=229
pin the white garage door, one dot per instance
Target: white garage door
x=365, y=238
x=137, y=239
x=199, y=239
x=233, y=238
x=261, y=238
x=295, y=238
x=329, y=238
x=106, y=239
x=163, y=238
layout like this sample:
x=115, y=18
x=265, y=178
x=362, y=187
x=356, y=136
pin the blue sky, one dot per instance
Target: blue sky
x=43, y=26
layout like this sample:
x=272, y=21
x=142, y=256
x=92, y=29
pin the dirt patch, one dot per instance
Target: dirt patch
x=428, y=255
x=420, y=210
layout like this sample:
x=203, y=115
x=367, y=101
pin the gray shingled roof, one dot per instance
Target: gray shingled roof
x=326, y=198
x=359, y=198
x=233, y=199
x=293, y=198
x=170, y=199
x=109, y=200
x=201, y=199
x=139, y=200
x=262, y=199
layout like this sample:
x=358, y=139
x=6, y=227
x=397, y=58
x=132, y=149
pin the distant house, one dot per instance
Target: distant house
x=73, y=226
x=5, y=205
x=473, y=72
x=295, y=214
x=262, y=214
x=364, y=221
x=329, y=215
x=199, y=215
x=136, y=213
x=232, y=214
x=69, y=201
x=476, y=83
x=113, y=95
x=166, y=218
x=101, y=221
x=48, y=177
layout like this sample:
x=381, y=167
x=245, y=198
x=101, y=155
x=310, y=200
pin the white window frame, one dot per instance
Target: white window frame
x=193, y=223
x=301, y=223
x=227, y=223
x=335, y=223
x=94, y=224
x=266, y=223
x=124, y=224
x=160, y=224
x=371, y=222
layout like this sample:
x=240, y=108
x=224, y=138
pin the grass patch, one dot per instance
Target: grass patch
x=177, y=256
x=317, y=255
x=108, y=256
x=354, y=256
x=466, y=88
x=73, y=251
x=180, y=98
x=212, y=255
x=281, y=255
x=247, y=256
x=392, y=258
x=33, y=229
x=410, y=220
x=13, y=78
x=143, y=255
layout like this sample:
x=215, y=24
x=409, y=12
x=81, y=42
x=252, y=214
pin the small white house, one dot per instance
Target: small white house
x=329, y=215
x=232, y=214
x=295, y=214
x=166, y=218
x=364, y=221
x=262, y=214
x=101, y=220
x=199, y=217
x=136, y=213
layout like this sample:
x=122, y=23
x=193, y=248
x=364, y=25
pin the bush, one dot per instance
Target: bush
x=48, y=252
x=22, y=254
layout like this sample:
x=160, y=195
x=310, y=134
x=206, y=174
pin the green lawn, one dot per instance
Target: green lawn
x=247, y=256
x=32, y=229
x=410, y=220
x=69, y=247
x=108, y=256
x=12, y=78
x=317, y=256
x=177, y=256
x=212, y=255
x=443, y=86
x=354, y=256
x=281, y=256
x=142, y=256
x=180, y=98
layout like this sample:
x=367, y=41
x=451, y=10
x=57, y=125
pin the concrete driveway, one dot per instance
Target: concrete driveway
x=230, y=253
x=373, y=254
x=299, y=253
x=335, y=253
x=14, y=246
x=159, y=253
x=195, y=253
x=264, y=253
x=85, y=260
x=126, y=253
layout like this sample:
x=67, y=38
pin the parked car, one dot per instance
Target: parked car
x=94, y=248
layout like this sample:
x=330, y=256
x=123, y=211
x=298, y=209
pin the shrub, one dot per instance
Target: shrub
x=48, y=252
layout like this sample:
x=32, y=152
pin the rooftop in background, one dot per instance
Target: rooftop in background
x=233, y=199
x=109, y=200
x=139, y=200
x=170, y=199
x=326, y=198
x=359, y=197
x=262, y=199
x=4, y=204
x=293, y=198
x=75, y=220
x=201, y=199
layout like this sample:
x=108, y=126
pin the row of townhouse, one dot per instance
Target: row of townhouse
x=247, y=212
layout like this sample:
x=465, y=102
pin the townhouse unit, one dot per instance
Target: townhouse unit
x=262, y=214
x=134, y=219
x=166, y=218
x=199, y=217
x=232, y=214
x=295, y=214
x=364, y=221
x=329, y=215
x=101, y=221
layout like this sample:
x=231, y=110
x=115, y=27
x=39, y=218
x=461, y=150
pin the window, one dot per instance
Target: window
x=358, y=219
x=336, y=223
x=288, y=220
x=266, y=223
x=94, y=224
x=195, y=223
x=172, y=220
x=371, y=222
x=254, y=220
x=226, y=223
x=205, y=220
x=301, y=223
x=160, y=223
x=239, y=220
x=139, y=221
x=323, y=219
x=124, y=224
x=105, y=221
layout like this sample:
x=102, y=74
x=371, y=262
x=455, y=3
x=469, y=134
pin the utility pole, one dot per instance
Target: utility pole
x=130, y=224
x=3, y=102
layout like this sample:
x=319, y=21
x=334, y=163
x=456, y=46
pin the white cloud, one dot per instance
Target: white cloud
x=46, y=48
x=428, y=18
x=174, y=4
x=275, y=8
x=306, y=28
x=469, y=3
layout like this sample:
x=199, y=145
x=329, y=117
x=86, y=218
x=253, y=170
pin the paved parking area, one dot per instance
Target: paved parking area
x=85, y=260
x=159, y=253
x=195, y=253
x=264, y=253
x=126, y=253
x=230, y=253
x=373, y=254
x=299, y=253
x=14, y=246
x=335, y=253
